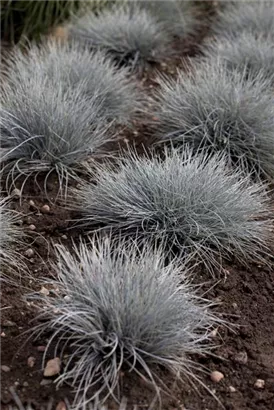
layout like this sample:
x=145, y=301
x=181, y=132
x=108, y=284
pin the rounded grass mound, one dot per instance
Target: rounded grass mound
x=124, y=309
x=176, y=16
x=219, y=111
x=46, y=129
x=191, y=202
x=131, y=37
x=246, y=54
x=97, y=76
x=255, y=17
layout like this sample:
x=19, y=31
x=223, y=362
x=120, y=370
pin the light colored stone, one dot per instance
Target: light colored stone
x=41, y=348
x=31, y=361
x=259, y=384
x=32, y=227
x=214, y=332
x=53, y=367
x=45, y=209
x=216, y=376
x=232, y=389
x=61, y=406
x=29, y=252
x=5, y=368
x=31, y=203
x=44, y=291
x=45, y=382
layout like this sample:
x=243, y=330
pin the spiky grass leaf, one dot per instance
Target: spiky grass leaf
x=255, y=17
x=46, y=129
x=131, y=38
x=176, y=16
x=219, y=111
x=245, y=54
x=97, y=76
x=191, y=202
x=123, y=307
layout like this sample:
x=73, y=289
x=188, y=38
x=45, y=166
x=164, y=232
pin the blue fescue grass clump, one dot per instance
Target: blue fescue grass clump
x=255, y=17
x=245, y=54
x=176, y=16
x=10, y=236
x=99, y=79
x=124, y=308
x=191, y=202
x=131, y=37
x=219, y=111
x=46, y=129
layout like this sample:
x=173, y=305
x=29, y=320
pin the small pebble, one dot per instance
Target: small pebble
x=64, y=237
x=241, y=357
x=5, y=369
x=214, y=332
x=259, y=384
x=44, y=291
x=45, y=382
x=232, y=389
x=61, y=406
x=216, y=376
x=3, y=334
x=25, y=384
x=32, y=227
x=41, y=348
x=45, y=209
x=29, y=252
x=31, y=361
x=53, y=367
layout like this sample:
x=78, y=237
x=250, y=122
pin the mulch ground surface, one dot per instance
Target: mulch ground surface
x=245, y=297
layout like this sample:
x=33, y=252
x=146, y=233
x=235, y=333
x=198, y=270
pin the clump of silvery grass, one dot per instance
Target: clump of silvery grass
x=122, y=309
x=176, y=16
x=245, y=54
x=10, y=236
x=19, y=405
x=99, y=79
x=255, y=17
x=219, y=111
x=46, y=129
x=131, y=37
x=193, y=203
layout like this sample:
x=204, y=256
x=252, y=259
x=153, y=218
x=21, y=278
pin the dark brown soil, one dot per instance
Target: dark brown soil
x=245, y=296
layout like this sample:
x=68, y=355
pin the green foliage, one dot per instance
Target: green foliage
x=31, y=19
